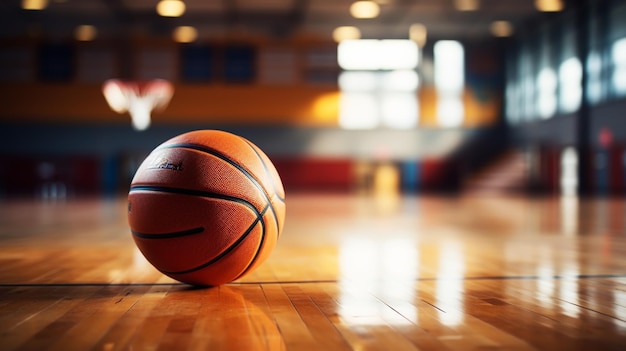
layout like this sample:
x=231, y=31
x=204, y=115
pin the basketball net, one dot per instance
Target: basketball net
x=138, y=99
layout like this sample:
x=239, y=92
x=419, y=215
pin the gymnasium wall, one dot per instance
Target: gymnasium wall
x=56, y=124
x=298, y=105
x=546, y=142
x=566, y=94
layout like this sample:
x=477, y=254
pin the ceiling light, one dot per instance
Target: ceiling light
x=170, y=8
x=185, y=34
x=501, y=29
x=346, y=33
x=549, y=5
x=418, y=33
x=467, y=5
x=364, y=9
x=85, y=33
x=34, y=4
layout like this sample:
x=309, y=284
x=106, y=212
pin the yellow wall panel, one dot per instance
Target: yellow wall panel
x=249, y=104
x=216, y=103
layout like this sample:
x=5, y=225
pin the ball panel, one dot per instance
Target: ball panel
x=273, y=176
x=196, y=170
x=199, y=180
x=229, y=267
x=276, y=190
x=268, y=244
x=223, y=222
x=236, y=148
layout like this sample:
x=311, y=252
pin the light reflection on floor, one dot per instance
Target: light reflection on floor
x=387, y=259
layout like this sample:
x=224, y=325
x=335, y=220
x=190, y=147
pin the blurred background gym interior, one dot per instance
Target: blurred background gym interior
x=454, y=172
x=423, y=97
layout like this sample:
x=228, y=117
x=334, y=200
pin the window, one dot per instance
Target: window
x=569, y=69
x=512, y=108
x=379, y=84
x=594, y=77
x=595, y=61
x=56, y=62
x=546, y=92
x=377, y=54
x=618, y=57
x=197, y=62
x=239, y=64
x=449, y=82
x=527, y=83
x=570, y=84
x=545, y=85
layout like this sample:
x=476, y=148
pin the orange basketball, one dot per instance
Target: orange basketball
x=206, y=207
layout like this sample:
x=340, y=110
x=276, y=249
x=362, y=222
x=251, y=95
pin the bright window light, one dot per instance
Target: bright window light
x=618, y=52
x=512, y=112
x=618, y=55
x=619, y=80
x=391, y=99
x=358, y=110
x=570, y=81
x=546, y=92
x=397, y=81
x=379, y=85
x=449, y=111
x=377, y=54
x=449, y=82
x=358, y=81
x=594, y=71
x=528, y=101
x=398, y=54
x=404, y=80
x=569, y=176
x=358, y=54
x=399, y=110
x=449, y=62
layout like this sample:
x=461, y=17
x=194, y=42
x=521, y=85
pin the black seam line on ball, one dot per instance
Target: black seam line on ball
x=259, y=219
x=258, y=250
x=267, y=170
x=232, y=163
x=170, y=235
x=268, y=174
x=182, y=191
x=164, y=189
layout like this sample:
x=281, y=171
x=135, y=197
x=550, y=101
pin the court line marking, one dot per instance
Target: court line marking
x=432, y=279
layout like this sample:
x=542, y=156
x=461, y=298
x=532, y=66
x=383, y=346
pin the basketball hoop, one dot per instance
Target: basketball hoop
x=138, y=99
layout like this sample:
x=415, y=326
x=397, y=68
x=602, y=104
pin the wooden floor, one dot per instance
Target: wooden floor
x=349, y=272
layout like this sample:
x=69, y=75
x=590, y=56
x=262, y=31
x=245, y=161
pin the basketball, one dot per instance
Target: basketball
x=206, y=207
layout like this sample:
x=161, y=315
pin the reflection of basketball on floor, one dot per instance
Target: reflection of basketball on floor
x=138, y=98
x=244, y=325
x=206, y=207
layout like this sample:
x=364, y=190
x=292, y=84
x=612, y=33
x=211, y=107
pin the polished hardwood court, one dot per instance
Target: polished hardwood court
x=361, y=272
